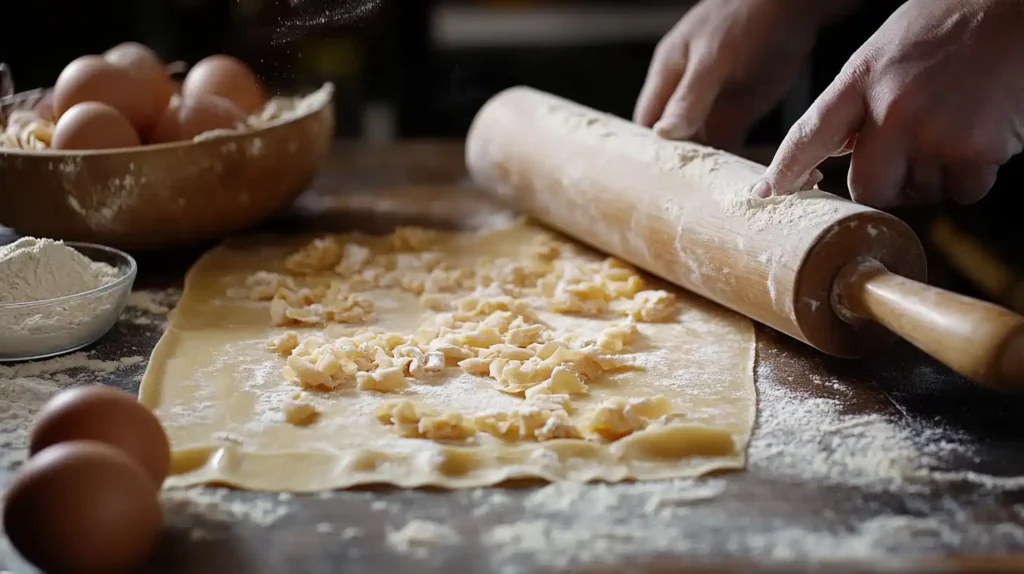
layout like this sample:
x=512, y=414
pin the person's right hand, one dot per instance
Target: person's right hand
x=929, y=107
x=726, y=64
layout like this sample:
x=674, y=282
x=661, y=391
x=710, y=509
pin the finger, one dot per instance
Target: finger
x=823, y=130
x=878, y=168
x=924, y=183
x=847, y=147
x=813, y=178
x=691, y=101
x=663, y=75
x=968, y=183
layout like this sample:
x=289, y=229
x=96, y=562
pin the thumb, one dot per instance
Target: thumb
x=692, y=100
x=823, y=131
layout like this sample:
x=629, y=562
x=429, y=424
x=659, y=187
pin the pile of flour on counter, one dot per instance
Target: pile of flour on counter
x=38, y=269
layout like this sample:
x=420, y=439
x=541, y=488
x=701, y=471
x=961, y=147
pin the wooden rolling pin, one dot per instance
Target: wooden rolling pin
x=837, y=275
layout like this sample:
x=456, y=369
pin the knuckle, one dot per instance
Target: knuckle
x=809, y=128
x=860, y=67
x=668, y=53
x=782, y=172
x=898, y=106
x=702, y=58
x=854, y=71
x=805, y=128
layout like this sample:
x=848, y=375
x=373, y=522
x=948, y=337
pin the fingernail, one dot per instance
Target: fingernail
x=663, y=129
x=671, y=129
x=813, y=179
x=761, y=189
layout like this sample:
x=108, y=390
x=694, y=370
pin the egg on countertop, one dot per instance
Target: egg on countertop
x=94, y=79
x=83, y=507
x=190, y=116
x=227, y=77
x=93, y=125
x=107, y=415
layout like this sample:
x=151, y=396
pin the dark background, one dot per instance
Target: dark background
x=422, y=68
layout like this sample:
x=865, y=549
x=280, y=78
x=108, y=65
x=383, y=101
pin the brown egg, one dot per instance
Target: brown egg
x=228, y=78
x=188, y=117
x=82, y=507
x=92, y=125
x=93, y=79
x=135, y=56
x=107, y=415
x=144, y=63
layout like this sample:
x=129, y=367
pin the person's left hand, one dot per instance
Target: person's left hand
x=930, y=107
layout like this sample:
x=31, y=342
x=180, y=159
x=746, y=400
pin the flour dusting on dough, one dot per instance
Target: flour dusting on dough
x=454, y=359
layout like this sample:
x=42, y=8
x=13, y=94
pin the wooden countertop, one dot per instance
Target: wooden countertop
x=888, y=464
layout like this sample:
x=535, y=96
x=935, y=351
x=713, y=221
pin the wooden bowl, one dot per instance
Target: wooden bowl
x=165, y=195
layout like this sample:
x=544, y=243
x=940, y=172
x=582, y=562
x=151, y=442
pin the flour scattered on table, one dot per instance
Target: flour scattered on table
x=668, y=499
x=26, y=387
x=350, y=532
x=82, y=365
x=874, y=452
x=183, y=507
x=810, y=432
x=20, y=399
x=419, y=537
x=151, y=306
x=154, y=301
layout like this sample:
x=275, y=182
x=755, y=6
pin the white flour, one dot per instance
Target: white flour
x=417, y=537
x=25, y=388
x=34, y=270
x=150, y=306
x=186, y=508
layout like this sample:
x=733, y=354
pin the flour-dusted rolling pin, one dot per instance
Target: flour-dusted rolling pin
x=837, y=275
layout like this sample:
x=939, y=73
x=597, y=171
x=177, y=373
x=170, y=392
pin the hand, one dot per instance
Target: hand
x=930, y=107
x=726, y=64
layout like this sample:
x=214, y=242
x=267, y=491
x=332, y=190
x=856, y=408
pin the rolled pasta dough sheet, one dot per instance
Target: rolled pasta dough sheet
x=677, y=401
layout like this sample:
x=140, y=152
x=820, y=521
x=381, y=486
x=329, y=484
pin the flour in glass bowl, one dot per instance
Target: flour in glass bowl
x=33, y=270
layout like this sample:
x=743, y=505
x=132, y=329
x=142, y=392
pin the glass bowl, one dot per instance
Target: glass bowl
x=41, y=329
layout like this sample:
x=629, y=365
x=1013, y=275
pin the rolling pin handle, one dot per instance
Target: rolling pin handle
x=982, y=341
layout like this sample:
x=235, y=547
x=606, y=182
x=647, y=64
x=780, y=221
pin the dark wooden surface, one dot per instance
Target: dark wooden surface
x=887, y=464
